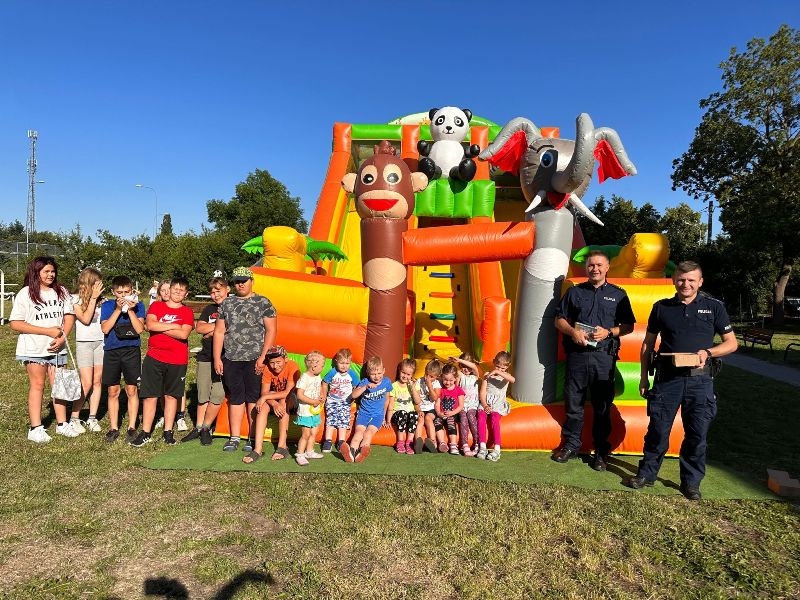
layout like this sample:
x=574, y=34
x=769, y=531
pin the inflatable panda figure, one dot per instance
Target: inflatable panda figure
x=449, y=126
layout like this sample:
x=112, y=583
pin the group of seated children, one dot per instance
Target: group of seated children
x=449, y=405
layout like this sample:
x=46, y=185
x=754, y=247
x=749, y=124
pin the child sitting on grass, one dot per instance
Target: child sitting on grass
x=374, y=392
x=428, y=387
x=309, y=407
x=469, y=373
x=337, y=389
x=450, y=405
x=403, y=406
x=277, y=383
x=493, y=401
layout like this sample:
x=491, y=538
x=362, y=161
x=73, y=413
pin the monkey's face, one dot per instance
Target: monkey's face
x=384, y=187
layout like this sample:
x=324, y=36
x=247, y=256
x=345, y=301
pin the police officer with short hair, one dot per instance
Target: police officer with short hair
x=591, y=355
x=687, y=323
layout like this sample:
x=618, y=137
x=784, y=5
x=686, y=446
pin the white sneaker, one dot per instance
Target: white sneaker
x=66, y=430
x=77, y=427
x=39, y=435
x=314, y=454
x=159, y=423
x=182, y=425
x=93, y=425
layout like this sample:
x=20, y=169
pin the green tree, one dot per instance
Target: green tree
x=621, y=219
x=685, y=231
x=745, y=153
x=166, y=226
x=260, y=201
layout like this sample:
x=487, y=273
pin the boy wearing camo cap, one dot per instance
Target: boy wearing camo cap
x=245, y=328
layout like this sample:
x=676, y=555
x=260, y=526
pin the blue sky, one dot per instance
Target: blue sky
x=189, y=97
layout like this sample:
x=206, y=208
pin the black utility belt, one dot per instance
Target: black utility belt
x=668, y=371
x=597, y=348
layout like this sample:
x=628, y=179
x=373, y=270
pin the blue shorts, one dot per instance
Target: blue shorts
x=311, y=421
x=55, y=360
x=366, y=419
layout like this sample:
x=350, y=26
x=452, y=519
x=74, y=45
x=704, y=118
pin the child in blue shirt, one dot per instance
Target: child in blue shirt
x=374, y=393
x=337, y=389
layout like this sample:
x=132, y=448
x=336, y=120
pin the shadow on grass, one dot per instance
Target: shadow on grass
x=174, y=589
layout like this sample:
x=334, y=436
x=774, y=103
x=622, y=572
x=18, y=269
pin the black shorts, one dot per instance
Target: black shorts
x=242, y=381
x=122, y=362
x=162, y=379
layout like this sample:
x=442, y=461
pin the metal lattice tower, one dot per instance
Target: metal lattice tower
x=30, y=224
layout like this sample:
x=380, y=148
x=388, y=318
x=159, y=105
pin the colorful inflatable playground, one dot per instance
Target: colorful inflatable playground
x=445, y=246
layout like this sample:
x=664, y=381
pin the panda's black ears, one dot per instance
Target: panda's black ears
x=432, y=112
x=467, y=112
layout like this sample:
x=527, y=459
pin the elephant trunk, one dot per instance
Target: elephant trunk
x=582, y=161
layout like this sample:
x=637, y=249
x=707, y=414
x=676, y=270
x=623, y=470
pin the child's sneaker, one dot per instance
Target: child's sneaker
x=141, y=439
x=159, y=423
x=112, y=435
x=363, y=453
x=347, y=453
x=454, y=449
x=410, y=448
x=327, y=446
x=314, y=454
x=301, y=460
x=248, y=445
x=231, y=446
x=443, y=447
x=93, y=425
x=77, y=426
x=493, y=456
x=481, y=454
x=400, y=447
x=467, y=450
x=169, y=438
x=39, y=435
x=66, y=430
x=418, y=446
x=181, y=425
x=131, y=434
x=430, y=446
x=205, y=436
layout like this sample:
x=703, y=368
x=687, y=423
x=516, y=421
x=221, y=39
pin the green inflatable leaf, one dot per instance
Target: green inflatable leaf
x=317, y=250
x=254, y=246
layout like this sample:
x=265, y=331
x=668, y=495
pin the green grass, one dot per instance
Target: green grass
x=83, y=519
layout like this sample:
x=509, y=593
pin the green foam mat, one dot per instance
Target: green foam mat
x=534, y=468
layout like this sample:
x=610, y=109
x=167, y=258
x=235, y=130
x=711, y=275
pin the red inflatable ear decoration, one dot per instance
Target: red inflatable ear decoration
x=509, y=156
x=609, y=163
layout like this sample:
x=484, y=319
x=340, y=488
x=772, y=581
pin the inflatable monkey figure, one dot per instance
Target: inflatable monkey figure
x=384, y=195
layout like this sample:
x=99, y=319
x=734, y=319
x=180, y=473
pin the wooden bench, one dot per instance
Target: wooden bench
x=791, y=346
x=757, y=335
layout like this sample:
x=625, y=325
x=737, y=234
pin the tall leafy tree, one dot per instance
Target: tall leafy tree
x=621, y=219
x=745, y=153
x=260, y=201
x=685, y=231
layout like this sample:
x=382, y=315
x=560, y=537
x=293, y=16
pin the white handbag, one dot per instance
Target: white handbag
x=67, y=382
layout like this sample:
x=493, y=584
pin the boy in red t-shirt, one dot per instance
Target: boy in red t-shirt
x=277, y=383
x=164, y=366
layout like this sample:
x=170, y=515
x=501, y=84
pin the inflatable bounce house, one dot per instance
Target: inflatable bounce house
x=455, y=234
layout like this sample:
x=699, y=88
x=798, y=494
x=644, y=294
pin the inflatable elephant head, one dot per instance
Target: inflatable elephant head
x=554, y=169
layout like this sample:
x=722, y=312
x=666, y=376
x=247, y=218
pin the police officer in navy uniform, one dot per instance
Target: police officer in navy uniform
x=591, y=356
x=687, y=323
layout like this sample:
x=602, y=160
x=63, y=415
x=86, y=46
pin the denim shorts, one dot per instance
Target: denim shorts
x=55, y=360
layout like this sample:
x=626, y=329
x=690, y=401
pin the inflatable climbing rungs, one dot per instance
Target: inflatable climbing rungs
x=443, y=316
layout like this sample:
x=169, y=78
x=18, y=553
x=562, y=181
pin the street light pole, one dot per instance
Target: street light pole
x=155, y=218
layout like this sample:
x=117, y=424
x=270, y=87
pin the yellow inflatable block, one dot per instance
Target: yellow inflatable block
x=313, y=296
x=644, y=256
x=284, y=249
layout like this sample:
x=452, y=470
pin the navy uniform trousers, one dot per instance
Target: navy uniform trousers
x=592, y=372
x=695, y=397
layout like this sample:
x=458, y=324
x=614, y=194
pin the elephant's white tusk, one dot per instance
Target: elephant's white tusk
x=537, y=200
x=583, y=209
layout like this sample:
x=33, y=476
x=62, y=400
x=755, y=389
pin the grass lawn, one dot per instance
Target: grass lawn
x=84, y=519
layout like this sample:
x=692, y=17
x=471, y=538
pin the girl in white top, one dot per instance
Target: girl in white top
x=43, y=316
x=469, y=374
x=89, y=346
